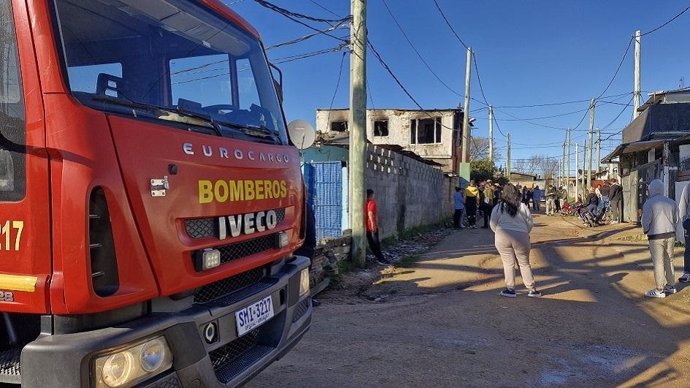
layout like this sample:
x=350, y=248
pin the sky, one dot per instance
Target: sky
x=528, y=53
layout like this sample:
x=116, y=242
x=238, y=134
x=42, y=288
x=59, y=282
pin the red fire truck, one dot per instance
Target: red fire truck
x=150, y=199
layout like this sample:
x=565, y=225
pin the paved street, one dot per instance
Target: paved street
x=441, y=323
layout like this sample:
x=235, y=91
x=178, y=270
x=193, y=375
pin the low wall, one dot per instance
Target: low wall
x=408, y=192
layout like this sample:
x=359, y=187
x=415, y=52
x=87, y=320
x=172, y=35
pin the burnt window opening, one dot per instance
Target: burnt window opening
x=339, y=126
x=425, y=131
x=381, y=128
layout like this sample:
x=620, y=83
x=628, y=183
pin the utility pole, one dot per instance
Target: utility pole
x=577, y=178
x=591, y=139
x=358, y=128
x=637, y=88
x=598, y=149
x=491, y=133
x=508, y=156
x=562, y=163
x=567, y=169
x=465, y=157
x=584, y=166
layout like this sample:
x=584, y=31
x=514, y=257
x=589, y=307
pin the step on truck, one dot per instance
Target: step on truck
x=151, y=201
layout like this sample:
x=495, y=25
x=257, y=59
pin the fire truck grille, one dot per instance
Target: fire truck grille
x=248, y=248
x=206, y=227
x=170, y=381
x=229, y=285
x=231, y=359
x=300, y=310
x=9, y=365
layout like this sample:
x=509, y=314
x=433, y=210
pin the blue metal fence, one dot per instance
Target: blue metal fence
x=324, y=182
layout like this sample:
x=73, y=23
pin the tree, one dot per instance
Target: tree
x=479, y=149
x=540, y=165
x=481, y=170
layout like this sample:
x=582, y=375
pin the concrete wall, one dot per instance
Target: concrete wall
x=409, y=193
x=399, y=131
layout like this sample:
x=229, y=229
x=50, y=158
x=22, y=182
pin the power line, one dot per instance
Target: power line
x=295, y=18
x=400, y=84
x=287, y=12
x=395, y=78
x=308, y=36
x=421, y=58
x=614, y=120
x=438, y=7
x=667, y=22
x=554, y=103
x=325, y=9
x=335, y=92
x=632, y=38
x=297, y=57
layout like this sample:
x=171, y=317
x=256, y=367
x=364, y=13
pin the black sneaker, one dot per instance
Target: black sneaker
x=508, y=293
x=534, y=293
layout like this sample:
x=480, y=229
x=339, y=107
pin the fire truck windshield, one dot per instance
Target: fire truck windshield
x=124, y=55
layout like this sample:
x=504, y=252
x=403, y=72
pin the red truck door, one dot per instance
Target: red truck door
x=25, y=249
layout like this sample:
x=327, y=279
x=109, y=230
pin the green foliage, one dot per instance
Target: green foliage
x=481, y=170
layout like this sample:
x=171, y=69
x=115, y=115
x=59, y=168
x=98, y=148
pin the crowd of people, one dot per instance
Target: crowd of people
x=506, y=210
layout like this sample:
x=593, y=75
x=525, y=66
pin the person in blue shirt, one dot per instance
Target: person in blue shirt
x=459, y=208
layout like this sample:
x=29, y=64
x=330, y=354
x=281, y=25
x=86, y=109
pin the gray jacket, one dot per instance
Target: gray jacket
x=659, y=213
x=683, y=211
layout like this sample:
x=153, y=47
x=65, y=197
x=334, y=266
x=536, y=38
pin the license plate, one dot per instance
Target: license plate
x=253, y=315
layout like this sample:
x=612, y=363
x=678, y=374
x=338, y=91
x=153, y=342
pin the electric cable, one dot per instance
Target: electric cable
x=667, y=22
x=287, y=12
x=421, y=58
x=438, y=7
x=308, y=36
x=291, y=15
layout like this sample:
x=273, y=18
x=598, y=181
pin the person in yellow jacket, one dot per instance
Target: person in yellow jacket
x=471, y=203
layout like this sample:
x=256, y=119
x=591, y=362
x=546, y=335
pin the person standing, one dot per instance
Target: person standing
x=659, y=221
x=459, y=208
x=684, y=214
x=562, y=197
x=616, y=198
x=536, y=199
x=372, y=221
x=487, y=200
x=550, y=200
x=512, y=222
x=471, y=203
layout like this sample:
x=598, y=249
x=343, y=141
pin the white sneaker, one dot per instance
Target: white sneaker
x=654, y=293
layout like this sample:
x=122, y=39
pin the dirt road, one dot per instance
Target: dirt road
x=441, y=323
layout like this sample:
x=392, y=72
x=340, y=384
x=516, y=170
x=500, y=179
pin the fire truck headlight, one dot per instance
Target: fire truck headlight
x=133, y=365
x=304, y=282
x=210, y=259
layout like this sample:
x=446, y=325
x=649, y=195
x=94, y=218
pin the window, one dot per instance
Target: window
x=425, y=131
x=140, y=57
x=204, y=79
x=339, y=126
x=85, y=78
x=12, y=116
x=381, y=128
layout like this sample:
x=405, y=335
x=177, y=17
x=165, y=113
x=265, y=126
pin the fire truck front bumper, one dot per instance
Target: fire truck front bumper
x=219, y=344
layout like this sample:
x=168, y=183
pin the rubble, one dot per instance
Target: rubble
x=354, y=282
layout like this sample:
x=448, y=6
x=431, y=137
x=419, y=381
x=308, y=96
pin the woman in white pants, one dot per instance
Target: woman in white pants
x=511, y=222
